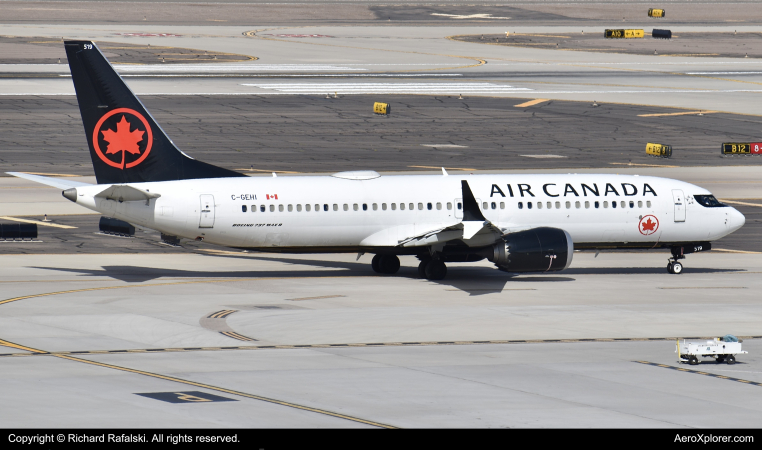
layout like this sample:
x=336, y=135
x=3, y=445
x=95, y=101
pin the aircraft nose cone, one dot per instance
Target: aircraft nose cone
x=737, y=220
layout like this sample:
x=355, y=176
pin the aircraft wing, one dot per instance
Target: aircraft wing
x=60, y=183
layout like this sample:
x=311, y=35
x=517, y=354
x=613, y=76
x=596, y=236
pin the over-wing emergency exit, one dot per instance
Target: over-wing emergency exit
x=521, y=223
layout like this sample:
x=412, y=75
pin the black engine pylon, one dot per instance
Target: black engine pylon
x=126, y=144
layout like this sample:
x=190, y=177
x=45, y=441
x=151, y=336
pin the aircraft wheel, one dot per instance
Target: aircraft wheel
x=389, y=264
x=677, y=268
x=436, y=270
x=376, y=263
x=669, y=267
x=730, y=359
x=422, y=268
x=693, y=360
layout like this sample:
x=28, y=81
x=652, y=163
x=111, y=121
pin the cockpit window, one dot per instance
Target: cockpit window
x=708, y=201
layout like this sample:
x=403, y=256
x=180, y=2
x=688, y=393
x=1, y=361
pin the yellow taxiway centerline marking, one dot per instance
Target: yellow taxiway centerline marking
x=532, y=102
x=742, y=203
x=38, y=222
x=687, y=113
x=735, y=251
x=266, y=171
x=202, y=385
x=54, y=174
x=440, y=167
x=642, y=165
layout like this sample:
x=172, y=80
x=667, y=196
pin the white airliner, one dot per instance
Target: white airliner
x=521, y=223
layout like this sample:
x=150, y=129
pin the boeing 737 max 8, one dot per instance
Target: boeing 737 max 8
x=521, y=223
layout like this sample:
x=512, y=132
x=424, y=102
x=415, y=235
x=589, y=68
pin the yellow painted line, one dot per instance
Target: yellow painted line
x=440, y=167
x=532, y=102
x=314, y=298
x=227, y=391
x=205, y=386
x=539, y=35
x=20, y=347
x=737, y=251
x=691, y=54
x=687, y=113
x=642, y=165
x=742, y=203
x=267, y=171
x=53, y=174
x=704, y=287
x=38, y=222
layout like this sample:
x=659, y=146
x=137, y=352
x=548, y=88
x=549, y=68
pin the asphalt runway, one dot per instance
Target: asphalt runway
x=695, y=44
x=310, y=133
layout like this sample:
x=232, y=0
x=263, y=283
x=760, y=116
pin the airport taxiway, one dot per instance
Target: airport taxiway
x=89, y=322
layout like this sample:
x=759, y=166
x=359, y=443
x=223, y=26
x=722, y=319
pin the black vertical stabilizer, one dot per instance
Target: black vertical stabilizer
x=126, y=144
x=471, y=209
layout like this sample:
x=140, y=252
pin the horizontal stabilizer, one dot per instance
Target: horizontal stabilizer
x=59, y=183
x=125, y=193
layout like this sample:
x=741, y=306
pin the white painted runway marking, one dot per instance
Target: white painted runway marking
x=388, y=88
x=201, y=68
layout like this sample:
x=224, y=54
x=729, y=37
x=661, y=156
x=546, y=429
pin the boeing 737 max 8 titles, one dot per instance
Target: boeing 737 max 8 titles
x=521, y=223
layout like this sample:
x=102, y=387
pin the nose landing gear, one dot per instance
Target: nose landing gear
x=674, y=267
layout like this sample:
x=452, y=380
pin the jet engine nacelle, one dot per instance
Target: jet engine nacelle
x=537, y=250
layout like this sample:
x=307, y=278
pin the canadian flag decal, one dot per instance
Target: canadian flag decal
x=272, y=196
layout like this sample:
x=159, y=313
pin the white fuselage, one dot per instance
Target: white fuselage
x=326, y=213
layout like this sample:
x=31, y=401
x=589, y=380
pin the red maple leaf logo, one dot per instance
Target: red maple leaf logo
x=123, y=140
x=649, y=225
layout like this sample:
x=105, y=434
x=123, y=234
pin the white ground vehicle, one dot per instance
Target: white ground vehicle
x=722, y=349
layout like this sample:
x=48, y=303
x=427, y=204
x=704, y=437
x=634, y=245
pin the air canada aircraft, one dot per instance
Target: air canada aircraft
x=519, y=222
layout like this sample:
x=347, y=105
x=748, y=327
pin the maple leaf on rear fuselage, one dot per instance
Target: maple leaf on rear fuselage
x=649, y=225
x=123, y=139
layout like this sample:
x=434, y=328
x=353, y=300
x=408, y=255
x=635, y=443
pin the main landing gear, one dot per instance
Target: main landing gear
x=385, y=264
x=432, y=269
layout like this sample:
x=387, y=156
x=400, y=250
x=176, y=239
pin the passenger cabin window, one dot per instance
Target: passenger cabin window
x=375, y=207
x=460, y=206
x=298, y=208
x=605, y=204
x=428, y=206
x=558, y=205
x=262, y=208
x=439, y=206
x=632, y=204
x=355, y=207
x=484, y=205
x=613, y=204
x=597, y=205
x=622, y=204
x=394, y=206
x=402, y=206
x=307, y=207
x=449, y=206
x=568, y=205
x=280, y=208
x=648, y=204
x=383, y=206
x=272, y=208
x=290, y=208
x=411, y=206
x=502, y=205
x=243, y=208
x=364, y=206
x=253, y=208
x=539, y=205
x=640, y=204
x=325, y=207
x=587, y=205
x=577, y=205
x=529, y=205
x=335, y=207
x=521, y=205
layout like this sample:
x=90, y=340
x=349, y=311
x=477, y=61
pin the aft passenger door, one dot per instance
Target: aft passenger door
x=679, y=198
x=207, y=211
x=457, y=208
